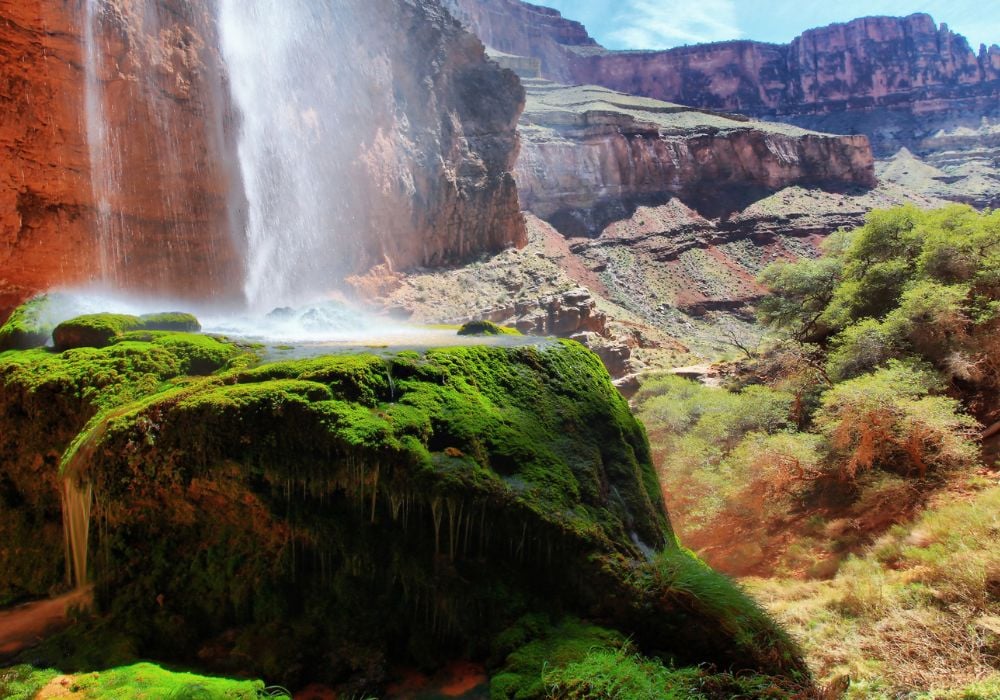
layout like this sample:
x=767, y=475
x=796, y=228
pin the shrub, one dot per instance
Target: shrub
x=889, y=419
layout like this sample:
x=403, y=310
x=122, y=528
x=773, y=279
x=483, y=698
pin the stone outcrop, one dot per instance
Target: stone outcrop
x=591, y=155
x=434, y=139
x=522, y=29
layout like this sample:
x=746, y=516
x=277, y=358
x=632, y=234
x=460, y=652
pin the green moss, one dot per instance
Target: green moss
x=551, y=647
x=93, y=330
x=486, y=328
x=100, y=330
x=411, y=507
x=28, y=326
x=200, y=354
x=619, y=674
x=170, y=321
x=142, y=680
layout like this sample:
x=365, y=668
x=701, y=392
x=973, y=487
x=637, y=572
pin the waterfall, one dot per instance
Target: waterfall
x=76, y=502
x=154, y=113
x=105, y=161
x=285, y=83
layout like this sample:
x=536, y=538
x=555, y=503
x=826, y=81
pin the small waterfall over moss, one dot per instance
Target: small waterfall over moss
x=77, y=498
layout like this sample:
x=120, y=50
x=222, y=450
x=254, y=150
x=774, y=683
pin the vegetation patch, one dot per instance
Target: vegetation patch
x=486, y=328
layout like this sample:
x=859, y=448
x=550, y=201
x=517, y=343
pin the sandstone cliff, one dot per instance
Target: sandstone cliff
x=431, y=147
x=161, y=89
x=592, y=155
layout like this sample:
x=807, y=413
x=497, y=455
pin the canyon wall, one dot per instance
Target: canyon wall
x=431, y=147
x=896, y=79
x=522, y=29
x=168, y=222
x=591, y=156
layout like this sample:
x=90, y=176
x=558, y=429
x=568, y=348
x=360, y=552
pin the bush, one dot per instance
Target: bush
x=889, y=419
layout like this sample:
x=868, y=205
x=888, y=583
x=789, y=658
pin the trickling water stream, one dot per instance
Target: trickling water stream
x=76, y=503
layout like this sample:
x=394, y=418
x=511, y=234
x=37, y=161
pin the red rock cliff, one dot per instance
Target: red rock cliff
x=159, y=76
x=896, y=79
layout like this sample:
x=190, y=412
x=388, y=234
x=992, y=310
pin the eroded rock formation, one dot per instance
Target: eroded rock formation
x=592, y=155
x=888, y=77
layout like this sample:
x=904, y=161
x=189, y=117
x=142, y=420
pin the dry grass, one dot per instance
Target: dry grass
x=918, y=616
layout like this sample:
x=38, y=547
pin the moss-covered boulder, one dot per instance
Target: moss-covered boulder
x=324, y=518
x=100, y=330
x=486, y=328
x=93, y=330
x=170, y=321
x=29, y=326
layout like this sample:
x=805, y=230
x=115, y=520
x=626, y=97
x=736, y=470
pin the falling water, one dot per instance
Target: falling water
x=155, y=137
x=76, y=502
x=284, y=80
x=105, y=161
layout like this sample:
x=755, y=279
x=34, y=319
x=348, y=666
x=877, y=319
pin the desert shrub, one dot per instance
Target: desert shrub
x=889, y=419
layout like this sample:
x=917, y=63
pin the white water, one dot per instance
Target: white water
x=105, y=161
x=284, y=83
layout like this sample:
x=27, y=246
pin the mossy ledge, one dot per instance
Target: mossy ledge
x=340, y=513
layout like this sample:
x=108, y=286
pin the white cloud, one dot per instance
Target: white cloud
x=655, y=24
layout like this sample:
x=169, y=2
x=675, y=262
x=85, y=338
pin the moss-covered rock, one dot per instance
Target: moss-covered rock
x=100, y=330
x=344, y=512
x=93, y=330
x=170, y=321
x=46, y=400
x=28, y=327
x=141, y=680
x=486, y=328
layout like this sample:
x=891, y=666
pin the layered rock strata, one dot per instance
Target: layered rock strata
x=592, y=155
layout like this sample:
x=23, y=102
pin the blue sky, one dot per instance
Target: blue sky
x=654, y=24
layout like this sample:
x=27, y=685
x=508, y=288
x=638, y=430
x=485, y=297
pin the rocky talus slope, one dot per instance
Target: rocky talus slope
x=429, y=145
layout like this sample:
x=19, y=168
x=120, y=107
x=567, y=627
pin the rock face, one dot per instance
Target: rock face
x=162, y=209
x=431, y=143
x=592, y=155
x=522, y=29
x=170, y=215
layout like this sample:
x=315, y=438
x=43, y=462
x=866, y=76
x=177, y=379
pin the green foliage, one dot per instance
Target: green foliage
x=801, y=293
x=890, y=419
x=486, y=328
x=142, y=680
